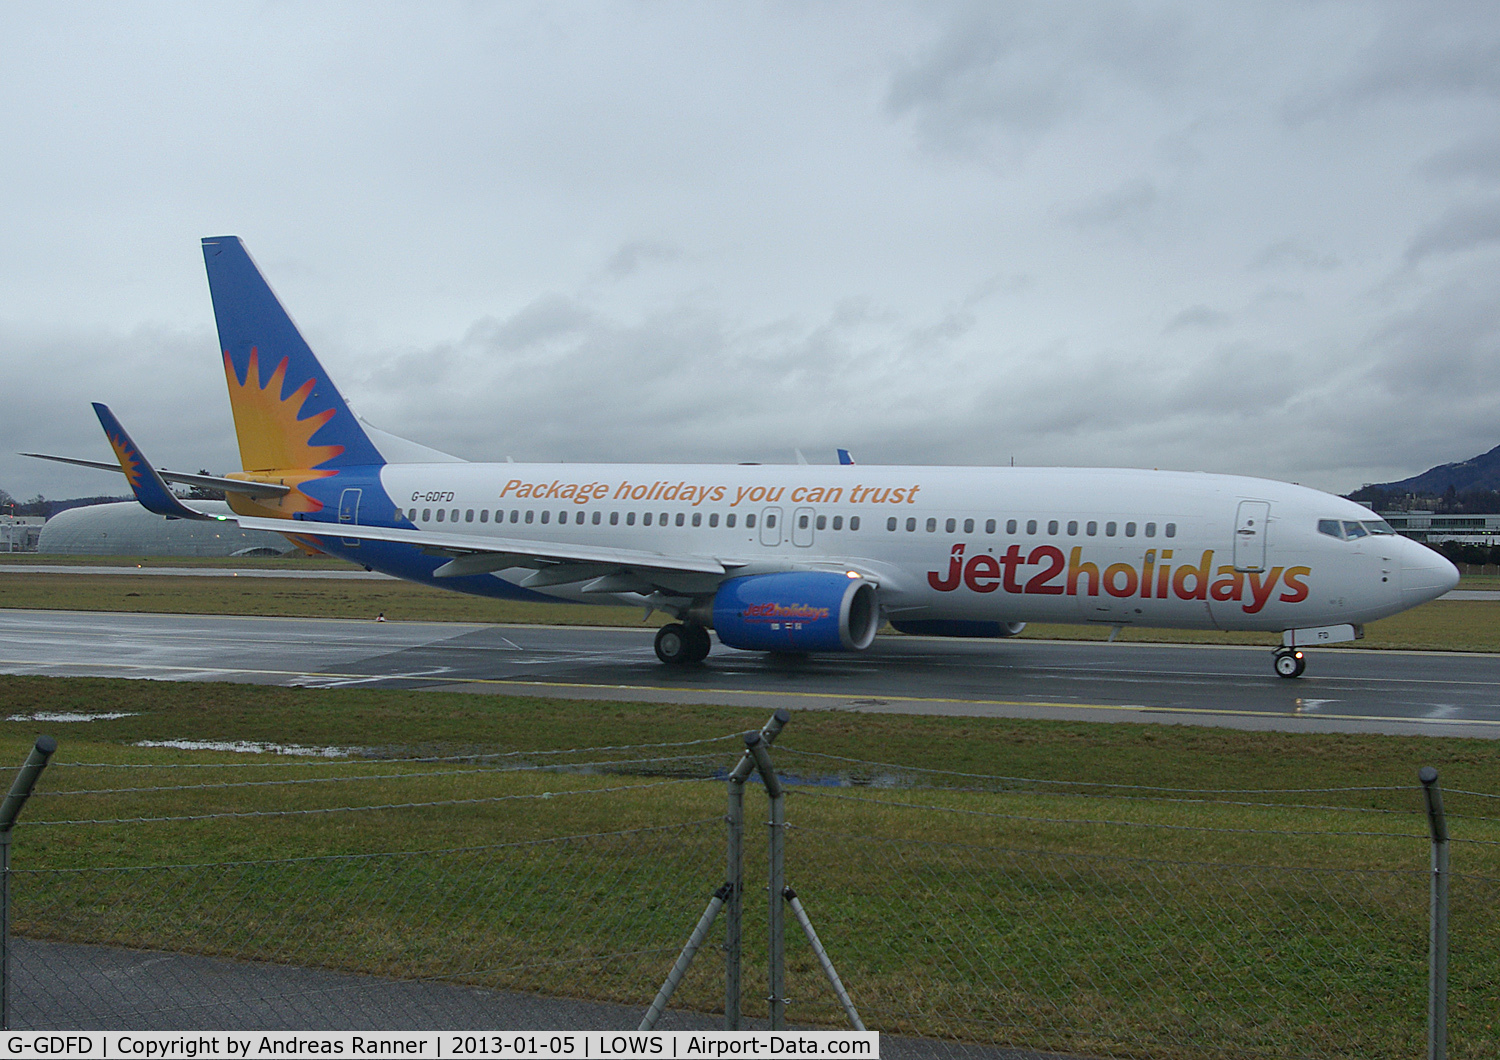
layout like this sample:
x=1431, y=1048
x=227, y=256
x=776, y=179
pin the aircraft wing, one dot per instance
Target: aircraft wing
x=474, y=554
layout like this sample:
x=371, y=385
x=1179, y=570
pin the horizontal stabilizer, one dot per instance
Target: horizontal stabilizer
x=217, y=482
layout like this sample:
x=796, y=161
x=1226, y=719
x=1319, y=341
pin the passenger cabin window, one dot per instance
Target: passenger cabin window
x=1109, y=529
x=1129, y=529
x=822, y=521
x=853, y=522
x=441, y=512
x=931, y=526
x=729, y=520
x=697, y=518
x=546, y=516
x=770, y=520
x=750, y=522
x=681, y=518
x=838, y=522
x=1052, y=527
x=515, y=514
x=630, y=518
x=951, y=525
x=469, y=516
x=1150, y=529
x=484, y=515
x=1031, y=526
x=426, y=514
x=1010, y=526
x=890, y=524
x=802, y=522
x=1171, y=529
x=1092, y=529
x=911, y=525
x=1072, y=527
x=989, y=526
x=614, y=519
x=968, y=526
x=646, y=519
x=454, y=515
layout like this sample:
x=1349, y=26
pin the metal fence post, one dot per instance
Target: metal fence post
x=1437, y=949
x=10, y=809
x=734, y=905
x=775, y=920
x=822, y=954
x=729, y=897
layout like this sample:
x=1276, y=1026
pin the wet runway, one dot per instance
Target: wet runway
x=1349, y=690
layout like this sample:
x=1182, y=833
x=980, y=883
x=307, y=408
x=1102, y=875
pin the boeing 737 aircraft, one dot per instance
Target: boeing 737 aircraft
x=788, y=559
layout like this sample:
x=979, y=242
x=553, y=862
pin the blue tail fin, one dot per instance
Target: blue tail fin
x=287, y=412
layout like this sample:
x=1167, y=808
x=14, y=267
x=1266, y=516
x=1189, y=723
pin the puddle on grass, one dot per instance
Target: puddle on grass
x=63, y=717
x=253, y=747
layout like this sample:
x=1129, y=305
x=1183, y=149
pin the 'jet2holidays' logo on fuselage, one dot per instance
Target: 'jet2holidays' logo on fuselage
x=1156, y=577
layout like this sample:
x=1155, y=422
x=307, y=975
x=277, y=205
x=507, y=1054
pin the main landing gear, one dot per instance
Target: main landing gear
x=682, y=643
x=1289, y=662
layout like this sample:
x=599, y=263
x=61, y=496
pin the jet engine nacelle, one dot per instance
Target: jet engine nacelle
x=949, y=627
x=796, y=612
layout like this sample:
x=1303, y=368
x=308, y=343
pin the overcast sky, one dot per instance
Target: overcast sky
x=1260, y=238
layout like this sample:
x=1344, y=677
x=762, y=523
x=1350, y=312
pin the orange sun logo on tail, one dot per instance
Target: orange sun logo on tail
x=275, y=444
x=129, y=462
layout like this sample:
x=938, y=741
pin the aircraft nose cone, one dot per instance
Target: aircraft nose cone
x=1425, y=574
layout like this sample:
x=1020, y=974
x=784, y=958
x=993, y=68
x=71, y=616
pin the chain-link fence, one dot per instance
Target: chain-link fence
x=977, y=911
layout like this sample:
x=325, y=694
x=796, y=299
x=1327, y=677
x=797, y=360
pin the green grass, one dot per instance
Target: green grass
x=954, y=906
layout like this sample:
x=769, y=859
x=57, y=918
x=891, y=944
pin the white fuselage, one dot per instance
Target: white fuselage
x=1152, y=548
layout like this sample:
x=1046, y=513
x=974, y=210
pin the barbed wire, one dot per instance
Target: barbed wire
x=1094, y=783
x=436, y=774
x=1133, y=859
x=1111, y=823
x=360, y=809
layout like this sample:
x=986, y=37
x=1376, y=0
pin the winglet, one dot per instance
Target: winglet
x=149, y=488
x=844, y=457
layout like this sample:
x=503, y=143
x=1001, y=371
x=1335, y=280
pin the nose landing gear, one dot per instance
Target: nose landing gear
x=1289, y=662
x=682, y=643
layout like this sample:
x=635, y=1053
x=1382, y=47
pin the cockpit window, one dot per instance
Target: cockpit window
x=1353, y=529
x=1330, y=527
x=1377, y=526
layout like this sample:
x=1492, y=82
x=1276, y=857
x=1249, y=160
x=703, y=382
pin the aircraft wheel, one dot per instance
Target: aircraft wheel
x=674, y=644
x=1289, y=662
x=699, y=642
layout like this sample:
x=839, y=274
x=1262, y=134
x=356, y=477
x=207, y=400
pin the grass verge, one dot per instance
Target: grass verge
x=964, y=905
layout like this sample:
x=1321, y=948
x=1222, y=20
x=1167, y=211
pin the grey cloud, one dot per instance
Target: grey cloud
x=634, y=255
x=1420, y=53
x=1197, y=316
x=1461, y=228
x=1293, y=253
x=1020, y=69
x=1477, y=159
x=1125, y=205
x=166, y=386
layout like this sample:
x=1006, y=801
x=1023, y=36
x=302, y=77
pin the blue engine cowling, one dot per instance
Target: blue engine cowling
x=955, y=627
x=797, y=612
